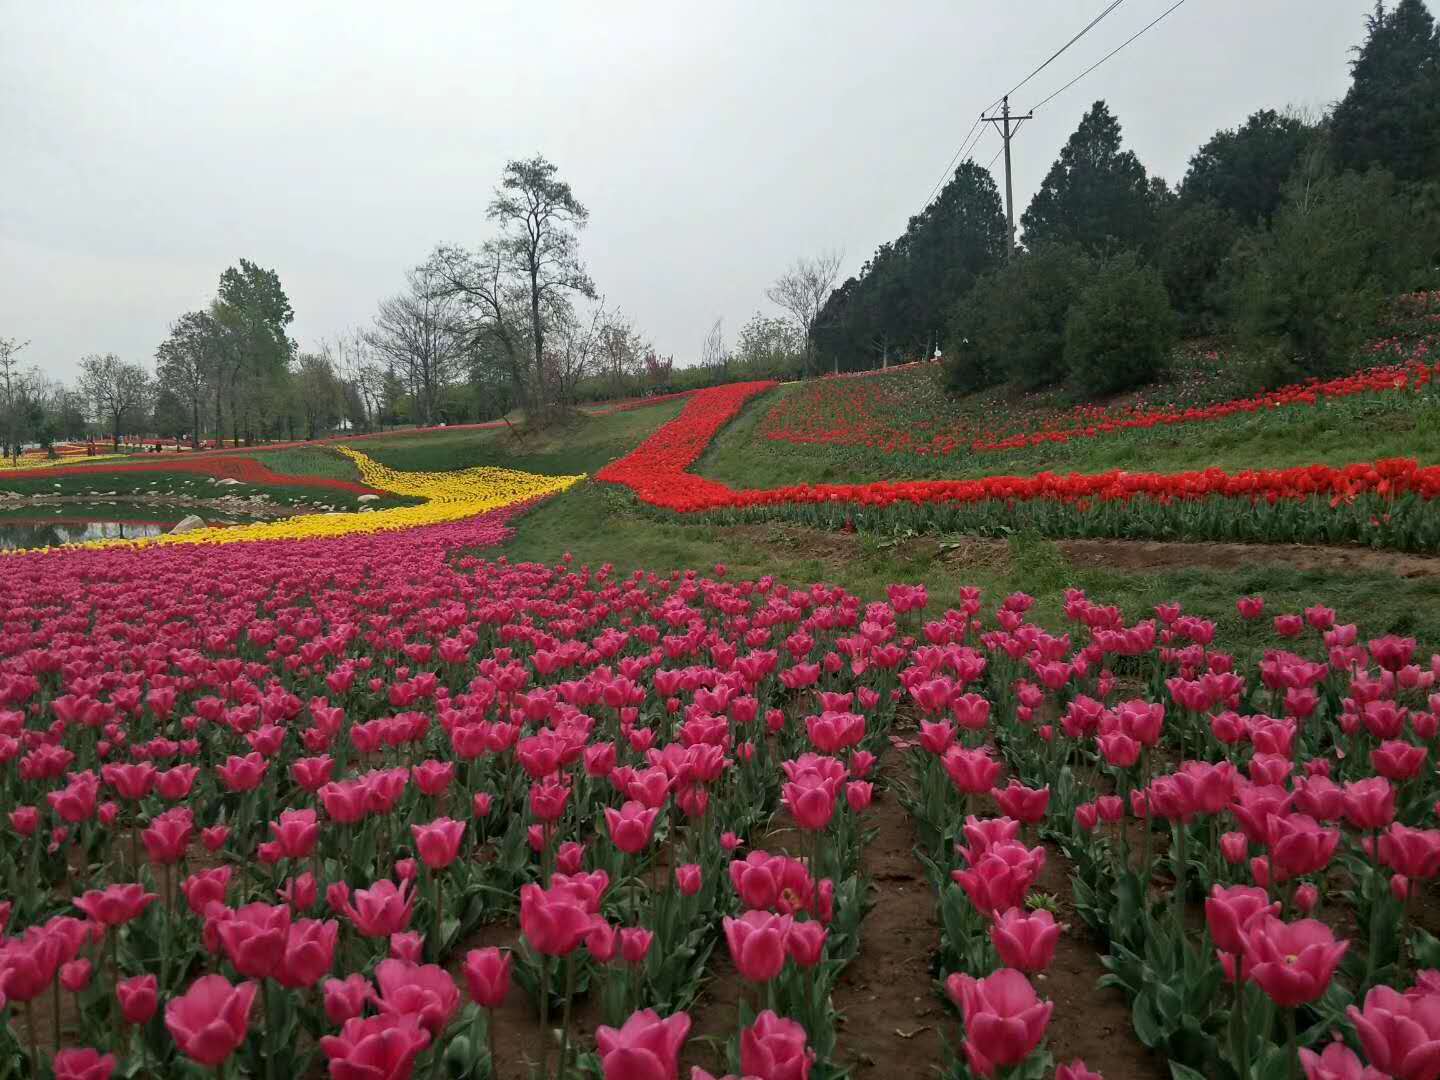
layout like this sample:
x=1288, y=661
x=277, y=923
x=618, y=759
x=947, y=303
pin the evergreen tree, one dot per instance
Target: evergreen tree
x=1243, y=170
x=1391, y=115
x=1096, y=195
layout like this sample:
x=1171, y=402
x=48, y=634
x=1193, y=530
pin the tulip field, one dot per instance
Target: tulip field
x=417, y=792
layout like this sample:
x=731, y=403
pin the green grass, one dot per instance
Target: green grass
x=309, y=461
x=581, y=445
x=1353, y=429
x=599, y=524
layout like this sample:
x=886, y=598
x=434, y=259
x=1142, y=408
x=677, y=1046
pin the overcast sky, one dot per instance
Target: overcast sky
x=144, y=146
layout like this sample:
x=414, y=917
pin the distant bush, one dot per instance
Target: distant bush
x=1309, y=292
x=1011, y=325
x=1120, y=331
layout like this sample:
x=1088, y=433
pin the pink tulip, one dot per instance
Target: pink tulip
x=254, y=937
x=1414, y=853
x=1228, y=912
x=1025, y=942
x=1002, y=877
x=972, y=772
x=438, y=842
x=138, y=997
x=1004, y=1019
x=487, y=974
x=1337, y=1062
x=1076, y=1070
x=1292, y=962
x=85, y=1064
x=210, y=1020
x=810, y=800
x=384, y=1047
x=635, y=944
x=115, y=905
x=554, y=921
x=1299, y=845
x=774, y=1048
x=644, y=1048
x=631, y=826
x=309, y=953
x=1400, y=1034
x=1022, y=803
x=345, y=998
x=1369, y=803
x=381, y=910
x=425, y=991
x=687, y=879
x=805, y=942
x=757, y=944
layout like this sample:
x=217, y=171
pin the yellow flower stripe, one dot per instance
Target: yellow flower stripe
x=449, y=496
x=8, y=465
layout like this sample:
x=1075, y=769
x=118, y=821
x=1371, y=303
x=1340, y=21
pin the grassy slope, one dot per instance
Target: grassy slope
x=582, y=445
x=1355, y=429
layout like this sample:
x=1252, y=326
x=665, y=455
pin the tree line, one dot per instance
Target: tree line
x=1287, y=235
x=514, y=323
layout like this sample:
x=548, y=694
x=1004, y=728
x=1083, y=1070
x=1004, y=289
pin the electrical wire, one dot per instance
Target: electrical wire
x=1108, y=55
x=1056, y=55
x=967, y=143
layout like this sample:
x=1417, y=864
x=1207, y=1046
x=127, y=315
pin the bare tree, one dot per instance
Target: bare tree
x=620, y=352
x=802, y=291
x=10, y=395
x=713, y=351
x=539, y=217
x=115, y=388
x=573, y=350
x=493, y=311
x=418, y=332
x=189, y=362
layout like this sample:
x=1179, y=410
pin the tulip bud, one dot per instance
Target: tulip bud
x=407, y=945
x=482, y=803
x=75, y=976
x=1260, y=871
x=1399, y=887
x=1234, y=846
x=1307, y=896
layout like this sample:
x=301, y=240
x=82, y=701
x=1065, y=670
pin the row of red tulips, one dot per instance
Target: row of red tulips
x=896, y=411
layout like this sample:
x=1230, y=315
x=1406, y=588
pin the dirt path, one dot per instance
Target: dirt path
x=1138, y=555
x=892, y=1019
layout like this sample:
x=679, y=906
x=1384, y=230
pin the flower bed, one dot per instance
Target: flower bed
x=228, y=467
x=1385, y=502
x=374, y=803
x=449, y=496
x=895, y=412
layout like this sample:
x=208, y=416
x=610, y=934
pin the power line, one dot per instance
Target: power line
x=1055, y=55
x=958, y=154
x=1108, y=55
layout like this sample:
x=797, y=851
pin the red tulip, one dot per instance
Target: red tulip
x=644, y=1048
x=214, y=837
x=209, y=1021
x=1025, y=942
x=1004, y=1019
x=487, y=974
x=774, y=1048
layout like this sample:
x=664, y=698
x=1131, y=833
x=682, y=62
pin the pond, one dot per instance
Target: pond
x=51, y=526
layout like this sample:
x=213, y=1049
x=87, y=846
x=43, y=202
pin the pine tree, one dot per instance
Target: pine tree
x=1391, y=115
x=1096, y=195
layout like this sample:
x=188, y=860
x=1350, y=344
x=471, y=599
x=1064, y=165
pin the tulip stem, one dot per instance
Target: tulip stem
x=565, y=1016
x=34, y=1036
x=490, y=1044
x=436, y=946
x=55, y=996
x=544, y=1016
x=1294, y=1054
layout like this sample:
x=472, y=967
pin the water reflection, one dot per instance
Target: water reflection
x=30, y=528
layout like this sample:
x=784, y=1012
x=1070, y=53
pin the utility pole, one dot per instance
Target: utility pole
x=1002, y=123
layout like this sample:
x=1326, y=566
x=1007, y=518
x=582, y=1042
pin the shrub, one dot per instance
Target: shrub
x=1011, y=325
x=1120, y=332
